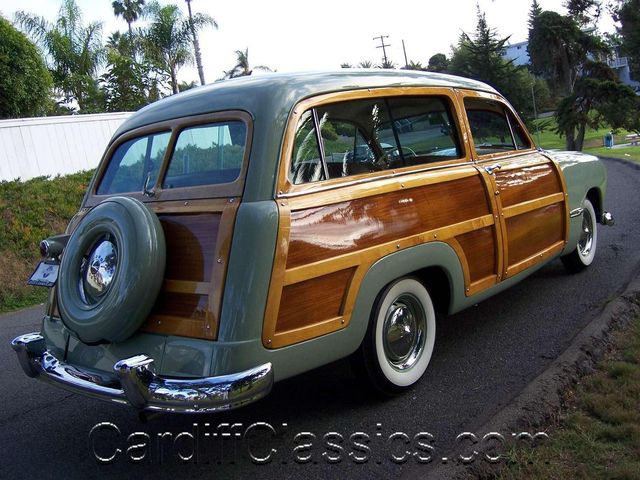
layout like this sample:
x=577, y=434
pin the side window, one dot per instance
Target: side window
x=207, y=155
x=493, y=128
x=134, y=163
x=357, y=137
x=306, y=163
x=370, y=135
x=425, y=128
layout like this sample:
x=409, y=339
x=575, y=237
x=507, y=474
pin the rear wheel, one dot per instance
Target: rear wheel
x=585, y=251
x=399, y=341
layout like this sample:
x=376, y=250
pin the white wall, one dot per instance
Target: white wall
x=32, y=147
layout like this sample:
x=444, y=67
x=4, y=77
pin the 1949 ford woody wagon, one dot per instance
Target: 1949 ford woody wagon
x=251, y=230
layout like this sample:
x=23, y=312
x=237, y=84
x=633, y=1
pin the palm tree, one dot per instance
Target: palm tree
x=74, y=52
x=365, y=64
x=130, y=10
x=193, y=20
x=242, y=67
x=168, y=39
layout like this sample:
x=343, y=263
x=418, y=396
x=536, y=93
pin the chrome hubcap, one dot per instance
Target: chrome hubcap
x=586, y=237
x=99, y=270
x=404, y=332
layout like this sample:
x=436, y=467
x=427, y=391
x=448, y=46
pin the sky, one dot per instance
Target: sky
x=289, y=35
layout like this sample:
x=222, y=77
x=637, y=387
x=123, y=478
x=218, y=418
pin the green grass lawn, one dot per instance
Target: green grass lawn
x=593, y=141
x=598, y=435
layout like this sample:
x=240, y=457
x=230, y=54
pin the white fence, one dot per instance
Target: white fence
x=32, y=147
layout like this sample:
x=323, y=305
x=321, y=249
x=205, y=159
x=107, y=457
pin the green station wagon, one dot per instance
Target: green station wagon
x=254, y=229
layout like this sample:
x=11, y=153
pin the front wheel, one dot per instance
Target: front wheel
x=400, y=338
x=585, y=251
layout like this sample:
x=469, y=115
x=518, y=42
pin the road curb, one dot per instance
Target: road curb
x=542, y=399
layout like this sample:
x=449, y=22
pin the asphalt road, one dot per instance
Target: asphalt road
x=484, y=357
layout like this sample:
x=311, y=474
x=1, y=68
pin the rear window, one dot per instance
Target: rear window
x=135, y=163
x=208, y=154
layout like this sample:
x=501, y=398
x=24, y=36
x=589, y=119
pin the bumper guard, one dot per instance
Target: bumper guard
x=139, y=386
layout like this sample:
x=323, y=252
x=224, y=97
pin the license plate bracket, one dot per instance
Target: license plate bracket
x=45, y=275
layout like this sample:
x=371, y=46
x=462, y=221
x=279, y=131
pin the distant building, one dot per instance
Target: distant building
x=621, y=66
x=518, y=53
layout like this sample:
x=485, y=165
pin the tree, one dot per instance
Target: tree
x=129, y=82
x=584, y=12
x=534, y=13
x=627, y=13
x=387, y=65
x=74, y=54
x=438, y=63
x=414, y=66
x=25, y=83
x=481, y=57
x=571, y=59
x=199, y=18
x=168, y=40
x=598, y=99
x=558, y=48
x=242, y=67
x=129, y=10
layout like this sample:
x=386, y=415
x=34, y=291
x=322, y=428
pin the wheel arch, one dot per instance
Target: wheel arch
x=435, y=264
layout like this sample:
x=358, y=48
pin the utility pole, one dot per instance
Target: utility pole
x=406, y=62
x=382, y=46
x=535, y=114
x=196, y=44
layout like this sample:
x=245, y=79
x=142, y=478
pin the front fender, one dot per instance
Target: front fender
x=584, y=175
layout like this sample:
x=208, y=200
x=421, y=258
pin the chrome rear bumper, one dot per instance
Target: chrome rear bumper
x=138, y=385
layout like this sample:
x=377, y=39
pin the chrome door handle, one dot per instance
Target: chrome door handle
x=491, y=168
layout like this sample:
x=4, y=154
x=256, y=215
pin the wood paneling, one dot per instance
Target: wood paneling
x=325, y=247
x=479, y=250
x=312, y=301
x=191, y=241
x=198, y=246
x=324, y=232
x=533, y=232
x=528, y=183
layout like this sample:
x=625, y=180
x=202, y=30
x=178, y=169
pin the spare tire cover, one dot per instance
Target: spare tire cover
x=111, y=271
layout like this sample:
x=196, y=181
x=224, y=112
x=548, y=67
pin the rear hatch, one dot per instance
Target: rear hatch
x=191, y=173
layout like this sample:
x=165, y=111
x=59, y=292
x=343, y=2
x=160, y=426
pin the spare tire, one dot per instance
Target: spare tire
x=111, y=271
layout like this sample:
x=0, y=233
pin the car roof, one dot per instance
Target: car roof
x=274, y=94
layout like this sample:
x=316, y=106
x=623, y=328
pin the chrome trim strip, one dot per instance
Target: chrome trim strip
x=137, y=384
x=576, y=212
x=393, y=173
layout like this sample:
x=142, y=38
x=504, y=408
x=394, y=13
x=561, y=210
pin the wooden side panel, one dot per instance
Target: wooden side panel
x=313, y=301
x=323, y=232
x=191, y=241
x=525, y=241
x=479, y=248
x=197, y=251
x=325, y=248
x=527, y=183
x=530, y=195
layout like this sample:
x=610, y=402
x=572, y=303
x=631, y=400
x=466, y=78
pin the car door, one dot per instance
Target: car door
x=528, y=187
